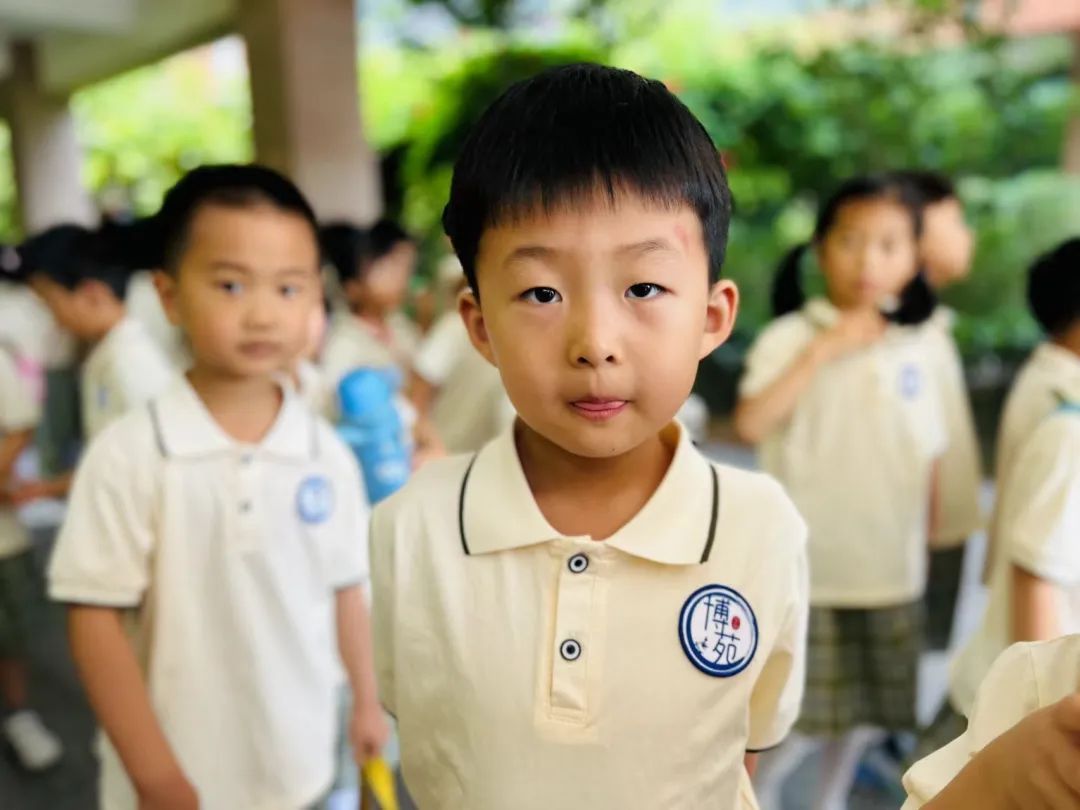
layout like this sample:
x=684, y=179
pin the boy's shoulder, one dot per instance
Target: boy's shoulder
x=129, y=446
x=434, y=487
x=756, y=513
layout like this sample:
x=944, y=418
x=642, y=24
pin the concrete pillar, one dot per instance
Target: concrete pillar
x=302, y=56
x=48, y=160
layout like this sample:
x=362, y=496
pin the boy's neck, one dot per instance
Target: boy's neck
x=244, y=407
x=1069, y=340
x=568, y=488
x=375, y=317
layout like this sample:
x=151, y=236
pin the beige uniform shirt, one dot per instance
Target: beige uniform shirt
x=124, y=370
x=1026, y=678
x=471, y=407
x=1050, y=376
x=228, y=557
x=960, y=473
x=856, y=457
x=531, y=670
x=1038, y=531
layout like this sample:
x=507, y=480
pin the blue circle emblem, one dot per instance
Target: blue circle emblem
x=718, y=631
x=315, y=499
x=910, y=382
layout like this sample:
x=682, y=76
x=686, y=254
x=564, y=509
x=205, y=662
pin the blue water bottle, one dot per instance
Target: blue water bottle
x=371, y=425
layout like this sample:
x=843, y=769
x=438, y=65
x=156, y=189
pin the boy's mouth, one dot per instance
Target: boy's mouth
x=598, y=409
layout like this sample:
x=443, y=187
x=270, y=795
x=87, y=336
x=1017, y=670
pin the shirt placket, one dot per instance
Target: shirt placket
x=245, y=500
x=575, y=637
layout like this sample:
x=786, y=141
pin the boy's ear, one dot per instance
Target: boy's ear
x=95, y=290
x=473, y=317
x=720, y=312
x=165, y=284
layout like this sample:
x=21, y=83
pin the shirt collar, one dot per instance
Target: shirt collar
x=185, y=428
x=497, y=511
x=1065, y=368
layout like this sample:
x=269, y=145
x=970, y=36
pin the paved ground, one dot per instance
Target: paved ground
x=71, y=785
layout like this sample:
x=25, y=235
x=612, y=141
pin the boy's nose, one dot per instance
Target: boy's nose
x=593, y=343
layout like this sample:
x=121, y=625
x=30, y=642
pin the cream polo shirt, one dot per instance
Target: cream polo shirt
x=18, y=412
x=530, y=670
x=124, y=370
x=351, y=344
x=960, y=473
x=1050, y=376
x=228, y=556
x=856, y=457
x=1039, y=531
x=1026, y=678
x=471, y=407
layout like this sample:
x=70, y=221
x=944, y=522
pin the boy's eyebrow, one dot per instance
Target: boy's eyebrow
x=227, y=264
x=541, y=252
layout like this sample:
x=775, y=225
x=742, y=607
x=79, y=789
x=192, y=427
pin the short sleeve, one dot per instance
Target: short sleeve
x=777, y=696
x=17, y=408
x=382, y=605
x=440, y=351
x=1041, y=503
x=1007, y=695
x=774, y=350
x=103, y=551
x=348, y=546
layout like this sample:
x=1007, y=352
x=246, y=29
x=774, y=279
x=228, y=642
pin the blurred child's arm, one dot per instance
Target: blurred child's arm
x=934, y=512
x=367, y=729
x=1035, y=605
x=114, y=685
x=28, y=491
x=1034, y=764
x=760, y=414
x=420, y=393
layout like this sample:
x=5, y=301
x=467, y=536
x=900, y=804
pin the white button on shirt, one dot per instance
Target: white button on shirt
x=533, y=670
x=124, y=370
x=1038, y=531
x=229, y=556
x=1026, y=678
x=856, y=457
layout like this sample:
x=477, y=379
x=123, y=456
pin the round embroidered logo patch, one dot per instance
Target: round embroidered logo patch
x=315, y=499
x=718, y=631
x=910, y=382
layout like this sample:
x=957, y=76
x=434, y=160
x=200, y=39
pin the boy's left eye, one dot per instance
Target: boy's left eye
x=641, y=292
x=290, y=290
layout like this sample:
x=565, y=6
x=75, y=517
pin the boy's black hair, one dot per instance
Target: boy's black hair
x=343, y=244
x=917, y=300
x=1054, y=288
x=231, y=185
x=558, y=138
x=69, y=255
x=383, y=237
x=929, y=187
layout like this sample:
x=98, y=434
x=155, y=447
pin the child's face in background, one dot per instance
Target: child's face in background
x=384, y=287
x=596, y=319
x=869, y=255
x=76, y=311
x=947, y=243
x=245, y=289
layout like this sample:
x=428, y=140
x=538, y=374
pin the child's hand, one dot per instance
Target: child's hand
x=853, y=331
x=368, y=731
x=29, y=491
x=176, y=793
x=1037, y=762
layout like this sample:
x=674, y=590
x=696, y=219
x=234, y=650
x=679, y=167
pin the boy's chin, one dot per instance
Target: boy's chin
x=598, y=442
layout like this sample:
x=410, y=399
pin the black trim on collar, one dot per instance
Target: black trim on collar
x=715, y=512
x=461, y=507
x=159, y=437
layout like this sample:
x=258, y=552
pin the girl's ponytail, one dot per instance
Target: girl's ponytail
x=787, y=287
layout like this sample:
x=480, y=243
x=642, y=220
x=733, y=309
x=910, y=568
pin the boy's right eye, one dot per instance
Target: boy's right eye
x=541, y=295
x=230, y=287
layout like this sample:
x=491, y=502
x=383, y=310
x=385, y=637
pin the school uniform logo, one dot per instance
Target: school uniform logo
x=910, y=382
x=718, y=631
x=315, y=499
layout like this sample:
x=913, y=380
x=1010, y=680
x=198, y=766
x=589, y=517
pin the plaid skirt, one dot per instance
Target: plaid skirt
x=16, y=576
x=862, y=669
x=942, y=593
